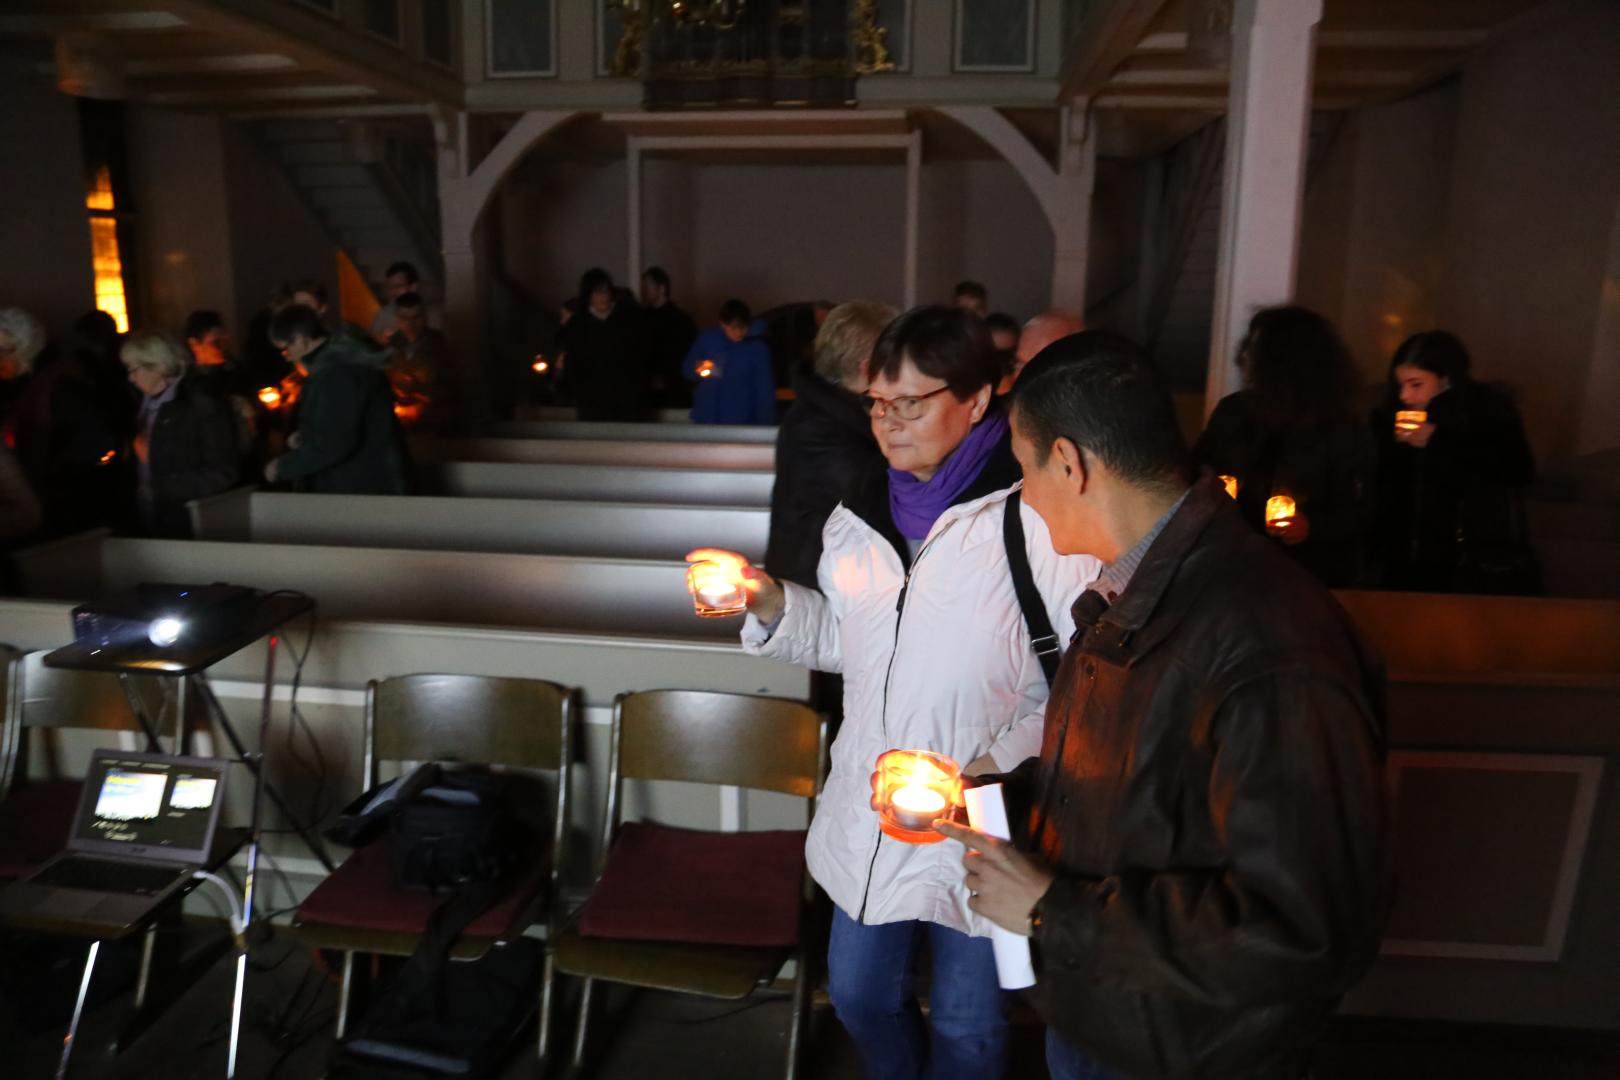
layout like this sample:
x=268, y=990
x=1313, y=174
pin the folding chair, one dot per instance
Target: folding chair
x=708, y=913
x=42, y=702
x=467, y=719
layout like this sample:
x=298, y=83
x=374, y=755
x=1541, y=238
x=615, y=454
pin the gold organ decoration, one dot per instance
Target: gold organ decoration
x=106, y=261
x=870, y=40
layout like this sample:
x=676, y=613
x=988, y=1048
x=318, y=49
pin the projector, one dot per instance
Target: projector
x=163, y=615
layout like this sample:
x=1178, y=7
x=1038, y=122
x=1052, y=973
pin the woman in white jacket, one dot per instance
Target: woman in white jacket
x=917, y=610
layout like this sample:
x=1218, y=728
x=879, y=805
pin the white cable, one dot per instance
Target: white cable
x=238, y=924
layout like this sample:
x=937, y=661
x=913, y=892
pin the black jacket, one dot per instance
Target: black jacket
x=605, y=364
x=1446, y=507
x=1210, y=792
x=193, y=454
x=825, y=455
x=670, y=332
x=349, y=441
x=1328, y=470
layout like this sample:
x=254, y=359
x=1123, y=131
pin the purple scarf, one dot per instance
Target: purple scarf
x=916, y=504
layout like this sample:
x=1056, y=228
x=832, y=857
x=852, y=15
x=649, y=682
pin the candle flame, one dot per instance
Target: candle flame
x=1280, y=510
x=1409, y=420
x=541, y=365
x=270, y=397
x=109, y=457
x=705, y=369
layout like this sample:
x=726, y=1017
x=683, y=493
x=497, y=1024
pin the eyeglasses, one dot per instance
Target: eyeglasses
x=906, y=408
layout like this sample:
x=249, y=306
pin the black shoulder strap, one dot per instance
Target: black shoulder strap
x=1041, y=634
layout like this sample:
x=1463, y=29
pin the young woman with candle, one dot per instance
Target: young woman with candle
x=916, y=608
x=1449, y=517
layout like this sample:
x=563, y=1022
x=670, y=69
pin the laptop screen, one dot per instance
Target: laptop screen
x=149, y=801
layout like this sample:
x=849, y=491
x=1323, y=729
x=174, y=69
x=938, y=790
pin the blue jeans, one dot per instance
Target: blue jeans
x=1066, y=1062
x=869, y=979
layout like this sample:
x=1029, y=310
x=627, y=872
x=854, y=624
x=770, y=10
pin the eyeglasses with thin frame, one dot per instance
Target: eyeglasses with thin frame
x=906, y=408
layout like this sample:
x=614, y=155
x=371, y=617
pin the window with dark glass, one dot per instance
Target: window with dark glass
x=382, y=18
x=436, y=32
x=519, y=36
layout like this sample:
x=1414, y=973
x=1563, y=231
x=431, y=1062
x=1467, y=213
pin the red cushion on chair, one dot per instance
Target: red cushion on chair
x=35, y=821
x=361, y=895
x=666, y=884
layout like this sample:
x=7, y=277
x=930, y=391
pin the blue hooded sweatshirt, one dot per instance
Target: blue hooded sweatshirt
x=742, y=388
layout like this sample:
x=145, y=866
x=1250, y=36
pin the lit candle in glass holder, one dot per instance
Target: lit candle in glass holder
x=915, y=787
x=1280, y=513
x=717, y=589
x=1409, y=420
x=270, y=397
x=707, y=369
x=1230, y=483
x=541, y=365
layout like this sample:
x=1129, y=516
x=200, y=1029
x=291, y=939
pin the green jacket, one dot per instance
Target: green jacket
x=349, y=442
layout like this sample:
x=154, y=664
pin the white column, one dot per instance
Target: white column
x=1267, y=118
x=633, y=186
x=913, y=217
x=1071, y=229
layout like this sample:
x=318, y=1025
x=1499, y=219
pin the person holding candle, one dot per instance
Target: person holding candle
x=1449, y=514
x=729, y=367
x=1200, y=854
x=1294, y=431
x=916, y=608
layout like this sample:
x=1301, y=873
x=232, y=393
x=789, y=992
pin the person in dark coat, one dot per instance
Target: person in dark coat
x=1201, y=854
x=729, y=367
x=670, y=332
x=348, y=440
x=1295, y=430
x=825, y=451
x=1450, y=515
x=185, y=444
x=604, y=345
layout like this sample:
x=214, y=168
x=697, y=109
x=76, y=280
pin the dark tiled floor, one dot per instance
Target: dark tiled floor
x=290, y=1010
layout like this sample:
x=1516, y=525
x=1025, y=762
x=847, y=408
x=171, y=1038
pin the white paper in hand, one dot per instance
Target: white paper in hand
x=987, y=813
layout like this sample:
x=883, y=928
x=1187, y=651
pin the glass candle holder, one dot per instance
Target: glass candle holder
x=1280, y=513
x=541, y=365
x=1409, y=420
x=1230, y=483
x=707, y=369
x=717, y=589
x=915, y=787
x=270, y=397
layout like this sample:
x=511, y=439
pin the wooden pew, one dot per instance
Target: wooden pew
x=625, y=454
x=610, y=483
x=632, y=597
x=516, y=526
x=575, y=429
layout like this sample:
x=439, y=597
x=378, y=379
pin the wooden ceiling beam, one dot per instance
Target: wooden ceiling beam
x=1108, y=35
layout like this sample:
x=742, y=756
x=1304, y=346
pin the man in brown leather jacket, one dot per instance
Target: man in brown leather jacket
x=1207, y=824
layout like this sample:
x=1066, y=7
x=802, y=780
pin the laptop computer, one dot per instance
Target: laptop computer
x=145, y=823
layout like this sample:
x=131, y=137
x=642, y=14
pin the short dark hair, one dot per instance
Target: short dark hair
x=658, y=276
x=1101, y=392
x=403, y=267
x=295, y=321
x=593, y=280
x=943, y=342
x=1000, y=320
x=310, y=286
x=408, y=300
x=734, y=311
x=1436, y=352
x=198, y=323
x=974, y=289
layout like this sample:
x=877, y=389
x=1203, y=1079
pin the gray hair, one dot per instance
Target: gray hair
x=157, y=351
x=26, y=332
x=845, y=341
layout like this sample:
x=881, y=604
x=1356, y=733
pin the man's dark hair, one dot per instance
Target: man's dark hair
x=408, y=300
x=972, y=288
x=96, y=326
x=733, y=312
x=295, y=321
x=1101, y=392
x=198, y=323
x=943, y=342
x=1000, y=320
x=658, y=276
x=312, y=287
x=592, y=281
x=1436, y=352
x=403, y=267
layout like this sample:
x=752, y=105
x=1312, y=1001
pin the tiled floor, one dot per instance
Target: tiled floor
x=637, y=1036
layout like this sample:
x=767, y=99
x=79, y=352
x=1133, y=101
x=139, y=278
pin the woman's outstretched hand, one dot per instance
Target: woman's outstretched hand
x=765, y=596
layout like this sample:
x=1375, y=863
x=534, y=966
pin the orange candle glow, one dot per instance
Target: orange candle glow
x=717, y=589
x=1231, y=485
x=541, y=365
x=1409, y=420
x=270, y=397
x=705, y=369
x=915, y=787
x=1280, y=511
